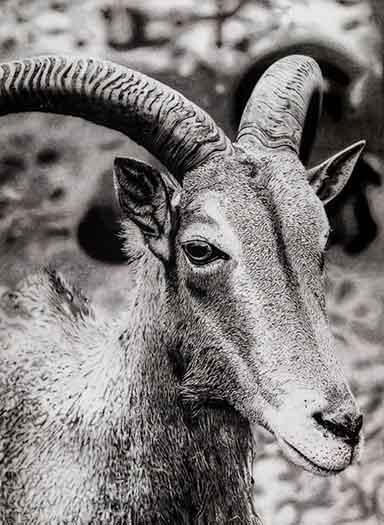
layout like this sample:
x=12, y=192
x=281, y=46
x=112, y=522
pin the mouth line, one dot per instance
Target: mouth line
x=305, y=458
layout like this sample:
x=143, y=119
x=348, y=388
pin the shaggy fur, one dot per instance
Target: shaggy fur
x=100, y=434
x=146, y=419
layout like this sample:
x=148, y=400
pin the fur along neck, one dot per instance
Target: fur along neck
x=166, y=464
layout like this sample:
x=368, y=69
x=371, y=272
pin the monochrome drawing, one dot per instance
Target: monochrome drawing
x=169, y=347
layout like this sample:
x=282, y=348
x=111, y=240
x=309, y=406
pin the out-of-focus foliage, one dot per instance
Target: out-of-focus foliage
x=224, y=35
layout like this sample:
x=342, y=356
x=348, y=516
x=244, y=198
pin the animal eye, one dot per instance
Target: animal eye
x=201, y=252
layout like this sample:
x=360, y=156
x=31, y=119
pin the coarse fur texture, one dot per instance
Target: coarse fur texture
x=147, y=418
x=97, y=433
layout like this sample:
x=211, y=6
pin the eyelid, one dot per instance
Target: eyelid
x=216, y=245
x=206, y=233
x=196, y=237
x=217, y=253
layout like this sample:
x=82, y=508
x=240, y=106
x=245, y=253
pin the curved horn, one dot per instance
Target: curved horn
x=172, y=128
x=284, y=108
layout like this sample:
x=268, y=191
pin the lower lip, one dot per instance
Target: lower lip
x=320, y=469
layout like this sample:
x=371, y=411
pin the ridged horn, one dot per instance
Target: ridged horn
x=176, y=131
x=284, y=108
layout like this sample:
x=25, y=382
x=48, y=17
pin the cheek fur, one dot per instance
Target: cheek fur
x=207, y=282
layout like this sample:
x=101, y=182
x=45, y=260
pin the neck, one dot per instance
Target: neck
x=180, y=468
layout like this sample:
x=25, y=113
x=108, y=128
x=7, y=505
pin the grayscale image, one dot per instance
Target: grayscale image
x=191, y=262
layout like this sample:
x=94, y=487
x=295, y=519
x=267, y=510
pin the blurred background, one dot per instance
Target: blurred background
x=57, y=204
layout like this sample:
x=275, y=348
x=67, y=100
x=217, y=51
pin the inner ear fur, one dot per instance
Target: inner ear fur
x=150, y=199
x=330, y=177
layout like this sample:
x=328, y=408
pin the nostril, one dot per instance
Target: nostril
x=345, y=426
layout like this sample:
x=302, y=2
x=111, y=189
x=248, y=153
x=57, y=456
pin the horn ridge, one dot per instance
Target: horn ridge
x=286, y=99
x=179, y=133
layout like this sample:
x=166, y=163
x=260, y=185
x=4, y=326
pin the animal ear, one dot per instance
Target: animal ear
x=148, y=199
x=330, y=177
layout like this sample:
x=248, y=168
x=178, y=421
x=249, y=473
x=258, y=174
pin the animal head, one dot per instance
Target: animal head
x=240, y=232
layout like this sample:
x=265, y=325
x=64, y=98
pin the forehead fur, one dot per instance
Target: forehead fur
x=281, y=176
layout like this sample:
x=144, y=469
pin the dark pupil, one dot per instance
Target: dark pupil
x=199, y=251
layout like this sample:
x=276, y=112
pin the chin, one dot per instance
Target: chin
x=309, y=464
x=320, y=455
